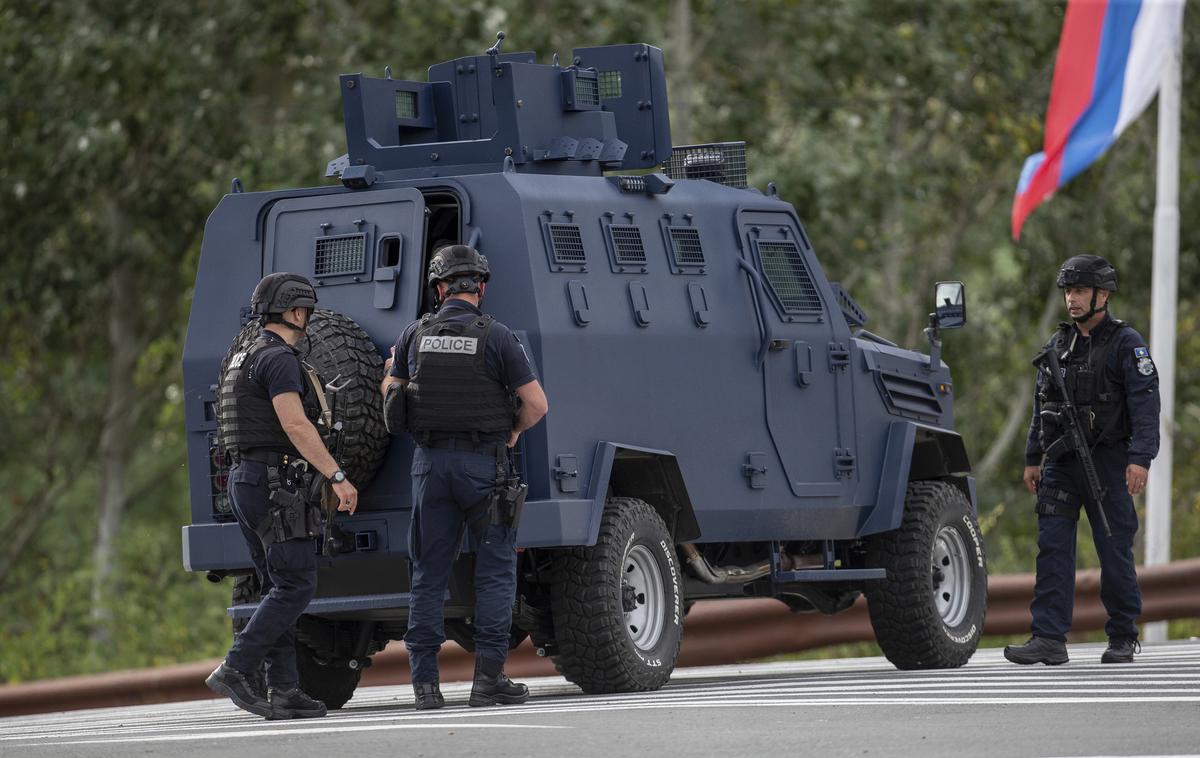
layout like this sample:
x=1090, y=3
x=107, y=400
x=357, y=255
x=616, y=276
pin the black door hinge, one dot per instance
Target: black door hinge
x=839, y=356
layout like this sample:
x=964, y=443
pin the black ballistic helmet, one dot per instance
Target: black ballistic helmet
x=453, y=261
x=461, y=266
x=1087, y=271
x=276, y=293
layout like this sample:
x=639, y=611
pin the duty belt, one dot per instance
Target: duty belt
x=499, y=449
x=269, y=457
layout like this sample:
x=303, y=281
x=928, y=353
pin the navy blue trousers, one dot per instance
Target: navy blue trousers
x=446, y=484
x=1054, y=592
x=287, y=572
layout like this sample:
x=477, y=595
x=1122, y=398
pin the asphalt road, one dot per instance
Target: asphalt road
x=857, y=707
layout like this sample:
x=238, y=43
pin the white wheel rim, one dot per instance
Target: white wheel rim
x=641, y=574
x=951, y=575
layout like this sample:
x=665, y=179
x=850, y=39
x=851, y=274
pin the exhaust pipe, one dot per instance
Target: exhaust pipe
x=723, y=574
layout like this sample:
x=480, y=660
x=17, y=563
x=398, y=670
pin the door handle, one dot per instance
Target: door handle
x=760, y=297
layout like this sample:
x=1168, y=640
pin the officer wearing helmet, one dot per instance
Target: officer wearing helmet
x=268, y=409
x=459, y=370
x=1112, y=381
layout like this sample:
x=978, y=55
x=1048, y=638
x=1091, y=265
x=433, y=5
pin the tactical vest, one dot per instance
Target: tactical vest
x=1099, y=400
x=450, y=390
x=248, y=418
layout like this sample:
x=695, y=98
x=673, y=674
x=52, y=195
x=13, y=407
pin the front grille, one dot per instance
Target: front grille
x=910, y=396
x=345, y=254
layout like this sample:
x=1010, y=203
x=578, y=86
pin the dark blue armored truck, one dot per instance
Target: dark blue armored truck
x=721, y=426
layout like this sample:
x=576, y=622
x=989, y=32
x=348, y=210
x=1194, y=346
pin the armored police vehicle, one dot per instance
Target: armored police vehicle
x=721, y=423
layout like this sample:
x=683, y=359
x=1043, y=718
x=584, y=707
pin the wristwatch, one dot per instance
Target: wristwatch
x=338, y=477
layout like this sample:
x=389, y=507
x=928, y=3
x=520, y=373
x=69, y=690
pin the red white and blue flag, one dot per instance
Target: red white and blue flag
x=1110, y=58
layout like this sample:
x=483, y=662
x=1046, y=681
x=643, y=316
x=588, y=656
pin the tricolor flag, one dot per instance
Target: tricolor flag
x=1110, y=57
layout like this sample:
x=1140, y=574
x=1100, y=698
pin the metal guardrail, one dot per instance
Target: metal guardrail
x=715, y=632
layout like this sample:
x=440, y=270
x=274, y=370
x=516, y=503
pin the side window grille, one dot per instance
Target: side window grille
x=783, y=264
x=685, y=246
x=567, y=243
x=344, y=254
x=406, y=104
x=610, y=85
x=587, y=91
x=627, y=244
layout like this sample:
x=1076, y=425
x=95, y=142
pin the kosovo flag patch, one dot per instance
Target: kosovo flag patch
x=1145, y=366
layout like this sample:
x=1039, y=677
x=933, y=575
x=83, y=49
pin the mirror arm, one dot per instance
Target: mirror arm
x=935, y=344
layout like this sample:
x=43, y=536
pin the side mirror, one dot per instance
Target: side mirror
x=950, y=305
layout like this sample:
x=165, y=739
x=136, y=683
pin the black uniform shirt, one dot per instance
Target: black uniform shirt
x=1129, y=367
x=504, y=357
x=277, y=371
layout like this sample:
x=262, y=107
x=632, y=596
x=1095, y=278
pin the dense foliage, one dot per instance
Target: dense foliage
x=897, y=128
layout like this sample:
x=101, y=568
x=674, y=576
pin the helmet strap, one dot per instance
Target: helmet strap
x=1094, y=310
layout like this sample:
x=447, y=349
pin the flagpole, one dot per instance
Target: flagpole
x=1163, y=319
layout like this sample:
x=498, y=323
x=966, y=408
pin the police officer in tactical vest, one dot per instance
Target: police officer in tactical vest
x=1112, y=383
x=268, y=409
x=459, y=370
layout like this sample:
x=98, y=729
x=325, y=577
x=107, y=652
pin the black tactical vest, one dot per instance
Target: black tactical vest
x=450, y=390
x=1099, y=400
x=248, y=419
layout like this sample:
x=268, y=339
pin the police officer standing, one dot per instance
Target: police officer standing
x=268, y=407
x=1111, y=380
x=459, y=369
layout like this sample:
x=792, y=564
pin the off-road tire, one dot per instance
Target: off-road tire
x=910, y=626
x=336, y=346
x=595, y=646
x=332, y=682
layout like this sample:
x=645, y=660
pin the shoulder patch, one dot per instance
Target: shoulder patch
x=1145, y=366
x=1141, y=352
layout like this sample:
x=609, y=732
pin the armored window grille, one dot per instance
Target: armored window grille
x=345, y=254
x=406, y=104
x=566, y=243
x=610, y=84
x=587, y=91
x=722, y=162
x=685, y=246
x=783, y=264
x=627, y=244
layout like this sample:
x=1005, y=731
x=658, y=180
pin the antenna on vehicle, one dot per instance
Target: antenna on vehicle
x=495, y=49
x=556, y=63
x=387, y=72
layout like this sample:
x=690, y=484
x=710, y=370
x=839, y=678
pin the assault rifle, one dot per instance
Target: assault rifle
x=1048, y=361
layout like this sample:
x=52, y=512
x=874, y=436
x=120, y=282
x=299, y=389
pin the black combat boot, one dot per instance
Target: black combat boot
x=1121, y=650
x=492, y=687
x=231, y=683
x=294, y=704
x=428, y=696
x=1038, y=650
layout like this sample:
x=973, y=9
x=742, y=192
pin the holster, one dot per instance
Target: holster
x=293, y=514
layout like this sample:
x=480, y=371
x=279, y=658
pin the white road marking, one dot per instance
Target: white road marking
x=1161, y=675
x=197, y=736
